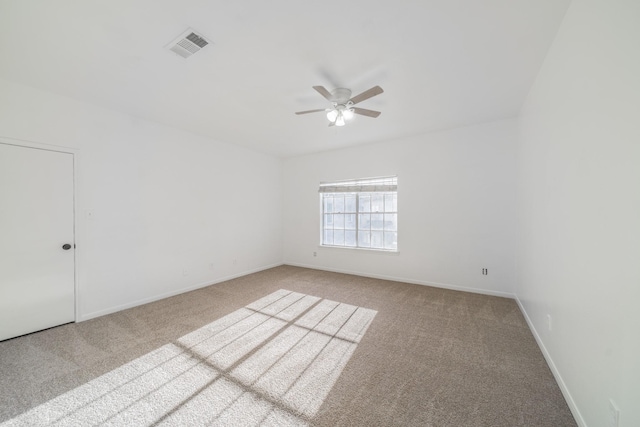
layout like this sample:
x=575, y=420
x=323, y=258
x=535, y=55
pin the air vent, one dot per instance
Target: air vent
x=188, y=43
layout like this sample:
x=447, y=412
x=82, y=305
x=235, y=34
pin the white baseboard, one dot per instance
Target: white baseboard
x=121, y=307
x=406, y=280
x=554, y=370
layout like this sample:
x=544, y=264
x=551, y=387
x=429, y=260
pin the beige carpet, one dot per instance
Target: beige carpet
x=288, y=346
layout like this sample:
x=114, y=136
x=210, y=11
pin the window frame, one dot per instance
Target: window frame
x=358, y=189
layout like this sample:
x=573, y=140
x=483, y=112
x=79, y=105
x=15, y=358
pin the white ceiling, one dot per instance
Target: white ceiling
x=441, y=63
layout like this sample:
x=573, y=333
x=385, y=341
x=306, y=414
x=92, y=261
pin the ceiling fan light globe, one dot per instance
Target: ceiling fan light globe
x=348, y=114
x=340, y=121
x=332, y=115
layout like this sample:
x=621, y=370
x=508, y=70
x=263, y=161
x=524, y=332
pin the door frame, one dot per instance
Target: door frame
x=77, y=238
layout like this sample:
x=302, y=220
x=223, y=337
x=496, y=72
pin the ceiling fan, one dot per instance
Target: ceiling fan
x=342, y=105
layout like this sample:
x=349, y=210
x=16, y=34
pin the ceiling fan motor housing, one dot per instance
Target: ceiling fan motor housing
x=340, y=95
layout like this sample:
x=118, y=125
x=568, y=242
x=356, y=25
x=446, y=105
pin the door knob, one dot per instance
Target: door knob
x=66, y=246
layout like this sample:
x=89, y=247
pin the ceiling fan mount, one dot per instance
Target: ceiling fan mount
x=342, y=104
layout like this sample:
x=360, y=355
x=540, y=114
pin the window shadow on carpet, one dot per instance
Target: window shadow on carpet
x=272, y=362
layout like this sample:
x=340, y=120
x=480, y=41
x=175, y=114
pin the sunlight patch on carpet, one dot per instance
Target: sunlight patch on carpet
x=272, y=362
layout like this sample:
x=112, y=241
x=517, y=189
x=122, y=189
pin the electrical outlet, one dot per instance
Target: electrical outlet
x=212, y=266
x=549, y=324
x=614, y=414
x=315, y=254
x=185, y=272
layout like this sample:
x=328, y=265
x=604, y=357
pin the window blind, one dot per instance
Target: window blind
x=387, y=183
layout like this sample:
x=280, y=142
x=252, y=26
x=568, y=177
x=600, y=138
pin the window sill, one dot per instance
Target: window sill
x=362, y=250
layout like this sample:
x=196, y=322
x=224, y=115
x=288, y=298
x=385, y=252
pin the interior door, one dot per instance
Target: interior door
x=37, y=289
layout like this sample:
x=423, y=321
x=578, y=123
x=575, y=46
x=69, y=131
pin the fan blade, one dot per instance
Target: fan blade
x=365, y=112
x=309, y=111
x=322, y=91
x=376, y=90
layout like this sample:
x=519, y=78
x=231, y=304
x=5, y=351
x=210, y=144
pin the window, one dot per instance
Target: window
x=360, y=213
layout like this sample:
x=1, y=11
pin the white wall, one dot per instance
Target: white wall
x=164, y=200
x=579, y=209
x=456, y=202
